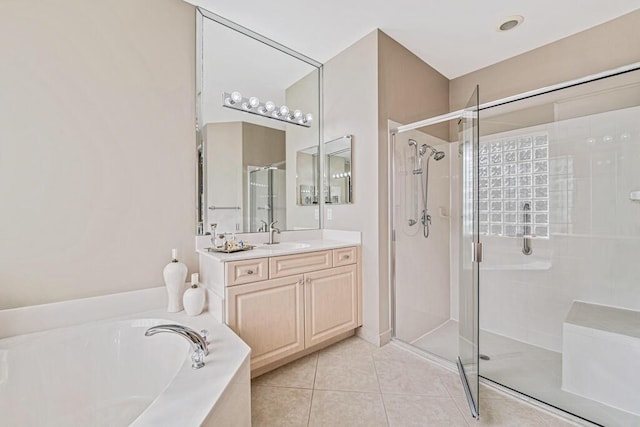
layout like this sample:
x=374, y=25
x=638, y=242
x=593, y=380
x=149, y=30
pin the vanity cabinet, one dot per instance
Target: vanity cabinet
x=330, y=303
x=289, y=305
x=269, y=317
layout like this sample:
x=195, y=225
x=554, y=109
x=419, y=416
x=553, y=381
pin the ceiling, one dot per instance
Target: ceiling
x=454, y=37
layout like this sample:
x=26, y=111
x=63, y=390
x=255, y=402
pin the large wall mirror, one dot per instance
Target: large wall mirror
x=258, y=106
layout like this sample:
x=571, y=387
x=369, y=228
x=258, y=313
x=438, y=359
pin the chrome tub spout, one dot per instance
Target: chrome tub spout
x=198, y=342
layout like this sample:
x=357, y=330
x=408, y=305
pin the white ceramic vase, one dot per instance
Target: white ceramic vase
x=193, y=300
x=175, y=273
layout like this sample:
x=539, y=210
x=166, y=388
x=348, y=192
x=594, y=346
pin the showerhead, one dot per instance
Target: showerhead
x=437, y=155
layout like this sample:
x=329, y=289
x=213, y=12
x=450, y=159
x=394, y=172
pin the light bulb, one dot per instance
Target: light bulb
x=236, y=97
x=297, y=114
x=269, y=106
x=308, y=117
x=284, y=110
x=254, y=102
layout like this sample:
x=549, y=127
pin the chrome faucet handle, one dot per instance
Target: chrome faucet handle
x=197, y=359
x=272, y=224
x=205, y=336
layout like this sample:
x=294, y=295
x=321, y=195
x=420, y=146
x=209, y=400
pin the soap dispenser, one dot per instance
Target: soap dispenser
x=175, y=274
x=194, y=297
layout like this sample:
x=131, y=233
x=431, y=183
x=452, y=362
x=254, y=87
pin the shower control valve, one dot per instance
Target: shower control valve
x=426, y=218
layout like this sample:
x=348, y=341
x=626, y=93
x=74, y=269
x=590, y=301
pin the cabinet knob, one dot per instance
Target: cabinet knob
x=308, y=280
x=345, y=256
x=249, y=271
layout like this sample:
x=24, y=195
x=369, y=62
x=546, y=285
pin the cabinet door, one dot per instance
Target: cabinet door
x=331, y=303
x=269, y=317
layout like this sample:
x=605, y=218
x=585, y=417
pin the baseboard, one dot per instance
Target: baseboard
x=377, y=339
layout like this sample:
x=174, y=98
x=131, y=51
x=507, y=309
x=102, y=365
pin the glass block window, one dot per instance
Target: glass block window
x=514, y=186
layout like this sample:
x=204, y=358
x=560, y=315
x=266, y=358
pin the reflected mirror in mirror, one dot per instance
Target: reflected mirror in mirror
x=258, y=106
x=337, y=164
x=307, y=164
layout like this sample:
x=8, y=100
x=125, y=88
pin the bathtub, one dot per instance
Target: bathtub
x=107, y=373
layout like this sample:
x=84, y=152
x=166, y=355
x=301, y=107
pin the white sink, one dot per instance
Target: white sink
x=284, y=246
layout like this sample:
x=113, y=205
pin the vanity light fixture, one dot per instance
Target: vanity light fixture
x=268, y=109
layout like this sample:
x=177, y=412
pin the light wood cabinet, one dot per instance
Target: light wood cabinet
x=345, y=256
x=247, y=271
x=330, y=303
x=300, y=263
x=285, y=306
x=269, y=317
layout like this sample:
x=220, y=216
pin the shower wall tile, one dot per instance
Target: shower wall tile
x=594, y=242
x=423, y=289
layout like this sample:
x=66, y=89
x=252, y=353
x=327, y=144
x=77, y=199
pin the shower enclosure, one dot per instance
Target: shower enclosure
x=267, y=202
x=529, y=279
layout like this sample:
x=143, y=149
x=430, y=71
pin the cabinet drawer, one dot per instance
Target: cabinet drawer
x=289, y=265
x=248, y=271
x=344, y=256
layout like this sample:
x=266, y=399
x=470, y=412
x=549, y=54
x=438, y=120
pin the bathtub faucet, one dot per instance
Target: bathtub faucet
x=198, y=342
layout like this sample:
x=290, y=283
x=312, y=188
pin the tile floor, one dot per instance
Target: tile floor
x=354, y=383
x=532, y=370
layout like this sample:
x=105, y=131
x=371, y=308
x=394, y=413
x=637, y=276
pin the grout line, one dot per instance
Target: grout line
x=464, y=417
x=384, y=406
x=313, y=387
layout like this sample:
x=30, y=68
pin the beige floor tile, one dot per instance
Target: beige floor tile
x=406, y=377
x=348, y=348
x=507, y=413
x=404, y=410
x=349, y=409
x=454, y=387
x=298, y=374
x=356, y=373
x=279, y=406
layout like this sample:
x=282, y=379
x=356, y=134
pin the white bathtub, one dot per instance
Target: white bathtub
x=107, y=373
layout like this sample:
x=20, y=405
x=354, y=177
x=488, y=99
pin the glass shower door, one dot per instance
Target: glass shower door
x=470, y=254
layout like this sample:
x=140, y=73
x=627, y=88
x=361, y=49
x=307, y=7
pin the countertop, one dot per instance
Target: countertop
x=287, y=248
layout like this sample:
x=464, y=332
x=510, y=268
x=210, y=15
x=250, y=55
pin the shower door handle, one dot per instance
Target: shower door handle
x=526, y=233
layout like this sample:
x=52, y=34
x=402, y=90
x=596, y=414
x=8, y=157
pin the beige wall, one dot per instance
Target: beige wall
x=351, y=107
x=224, y=176
x=371, y=81
x=96, y=146
x=609, y=45
x=304, y=94
x=408, y=90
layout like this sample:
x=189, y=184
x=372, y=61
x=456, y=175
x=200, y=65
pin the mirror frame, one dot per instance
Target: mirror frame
x=201, y=169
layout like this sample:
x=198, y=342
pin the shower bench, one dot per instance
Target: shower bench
x=601, y=355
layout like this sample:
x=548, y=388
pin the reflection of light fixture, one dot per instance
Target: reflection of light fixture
x=341, y=175
x=269, y=109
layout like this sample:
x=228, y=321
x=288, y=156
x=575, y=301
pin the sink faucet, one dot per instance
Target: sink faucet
x=272, y=230
x=198, y=342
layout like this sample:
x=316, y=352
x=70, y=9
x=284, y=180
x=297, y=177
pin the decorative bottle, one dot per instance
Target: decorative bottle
x=175, y=273
x=194, y=297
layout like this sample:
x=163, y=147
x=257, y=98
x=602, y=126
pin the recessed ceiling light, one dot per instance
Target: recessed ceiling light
x=511, y=22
